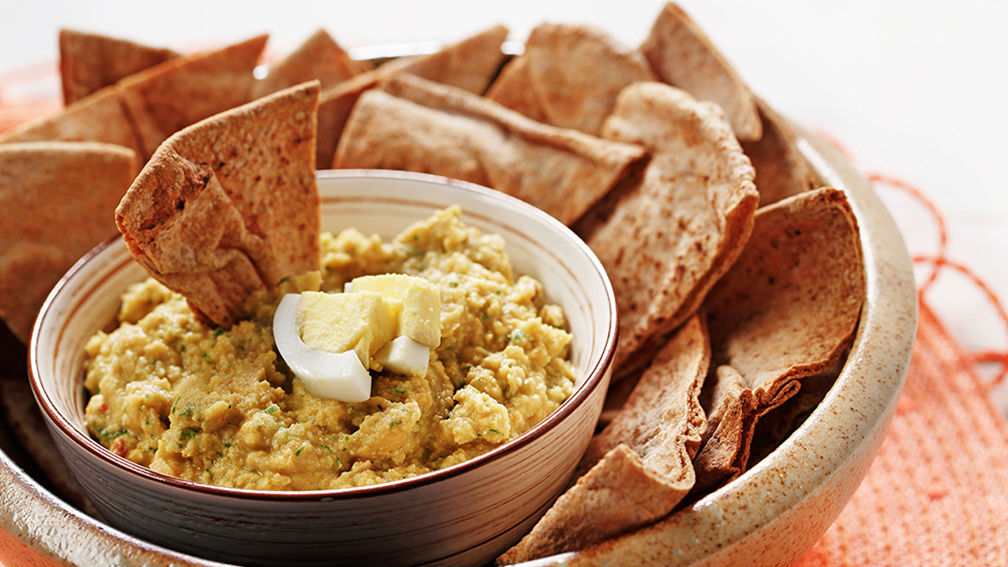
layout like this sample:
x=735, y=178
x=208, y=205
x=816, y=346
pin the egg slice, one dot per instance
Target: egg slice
x=339, y=376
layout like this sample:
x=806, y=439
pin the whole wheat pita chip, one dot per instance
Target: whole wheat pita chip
x=668, y=240
x=418, y=125
x=683, y=56
x=781, y=170
x=786, y=310
x=319, y=57
x=469, y=64
x=165, y=98
x=90, y=62
x=229, y=206
x=97, y=118
x=640, y=466
x=56, y=203
x=569, y=76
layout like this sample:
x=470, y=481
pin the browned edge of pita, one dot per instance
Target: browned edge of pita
x=469, y=64
x=787, y=309
x=455, y=133
x=683, y=56
x=56, y=203
x=89, y=62
x=666, y=241
x=165, y=98
x=640, y=467
x=569, y=76
x=98, y=117
x=229, y=206
x=318, y=57
x=781, y=170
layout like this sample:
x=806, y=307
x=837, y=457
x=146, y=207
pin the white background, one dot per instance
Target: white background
x=914, y=89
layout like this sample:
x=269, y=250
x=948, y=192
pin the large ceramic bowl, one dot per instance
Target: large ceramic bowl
x=769, y=516
x=465, y=514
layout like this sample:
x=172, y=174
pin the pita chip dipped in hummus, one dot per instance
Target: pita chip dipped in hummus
x=216, y=218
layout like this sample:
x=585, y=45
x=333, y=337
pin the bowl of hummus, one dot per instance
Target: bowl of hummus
x=484, y=328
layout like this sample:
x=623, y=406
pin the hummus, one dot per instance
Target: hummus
x=218, y=406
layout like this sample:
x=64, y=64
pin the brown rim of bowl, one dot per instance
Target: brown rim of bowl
x=594, y=374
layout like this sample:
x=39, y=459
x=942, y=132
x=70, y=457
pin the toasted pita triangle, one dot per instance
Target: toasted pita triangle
x=418, y=125
x=469, y=64
x=669, y=239
x=319, y=57
x=56, y=203
x=98, y=117
x=640, y=466
x=570, y=75
x=164, y=99
x=683, y=56
x=90, y=62
x=781, y=170
x=786, y=310
x=229, y=206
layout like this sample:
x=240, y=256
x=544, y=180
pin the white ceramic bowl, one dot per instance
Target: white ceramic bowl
x=465, y=514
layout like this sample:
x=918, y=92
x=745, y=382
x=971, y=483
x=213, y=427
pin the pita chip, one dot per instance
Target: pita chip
x=469, y=64
x=781, y=170
x=640, y=465
x=56, y=203
x=683, y=56
x=418, y=125
x=319, y=57
x=668, y=239
x=98, y=117
x=90, y=62
x=168, y=97
x=788, y=309
x=569, y=76
x=229, y=206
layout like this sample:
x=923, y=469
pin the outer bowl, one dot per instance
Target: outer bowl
x=466, y=514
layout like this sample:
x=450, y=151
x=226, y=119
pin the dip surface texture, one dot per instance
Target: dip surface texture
x=218, y=407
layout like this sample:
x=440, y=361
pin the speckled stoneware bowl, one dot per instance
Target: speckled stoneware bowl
x=463, y=515
x=769, y=516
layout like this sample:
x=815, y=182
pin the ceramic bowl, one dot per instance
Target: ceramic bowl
x=465, y=514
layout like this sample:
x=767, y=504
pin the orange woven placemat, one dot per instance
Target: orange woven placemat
x=935, y=494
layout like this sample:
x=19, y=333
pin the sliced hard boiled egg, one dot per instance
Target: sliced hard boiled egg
x=405, y=356
x=339, y=376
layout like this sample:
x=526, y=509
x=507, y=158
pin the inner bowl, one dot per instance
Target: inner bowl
x=464, y=514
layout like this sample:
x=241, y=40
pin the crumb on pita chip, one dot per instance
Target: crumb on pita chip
x=781, y=170
x=165, y=98
x=319, y=57
x=229, y=206
x=666, y=241
x=570, y=75
x=786, y=310
x=683, y=56
x=89, y=62
x=98, y=117
x=469, y=64
x=640, y=467
x=56, y=203
x=418, y=125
